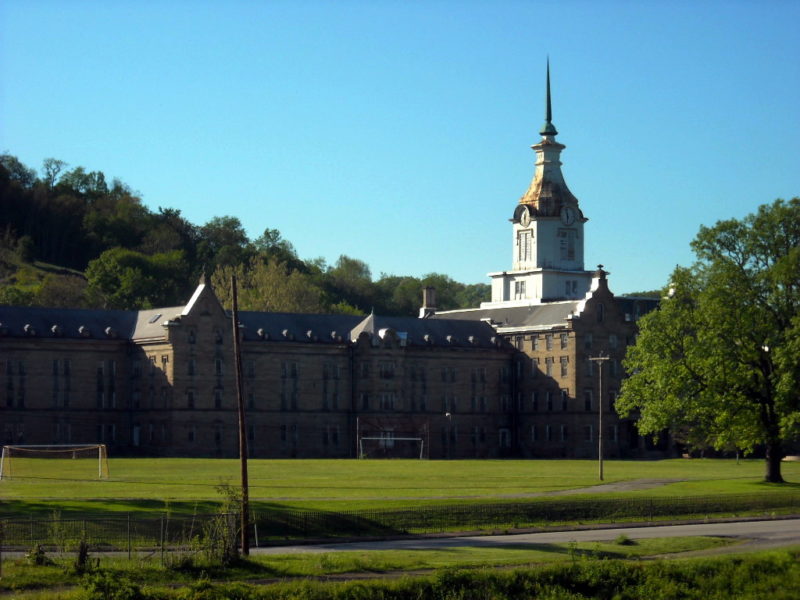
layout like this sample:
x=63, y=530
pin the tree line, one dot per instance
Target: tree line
x=71, y=238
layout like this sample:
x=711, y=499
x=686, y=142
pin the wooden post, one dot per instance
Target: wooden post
x=245, y=508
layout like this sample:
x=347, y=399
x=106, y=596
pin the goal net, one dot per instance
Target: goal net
x=70, y=461
x=391, y=447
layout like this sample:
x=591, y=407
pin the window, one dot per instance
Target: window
x=189, y=398
x=601, y=312
x=548, y=341
x=534, y=367
x=564, y=338
x=535, y=401
x=589, y=367
x=564, y=433
x=518, y=342
x=613, y=341
x=524, y=245
x=533, y=433
x=548, y=366
x=387, y=400
x=564, y=362
x=587, y=341
x=218, y=398
x=364, y=401
x=191, y=434
x=613, y=433
x=218, y=366
x=587, y=433
x=505, y=438
x=587, y=400
x=386, y=369
x=164, y=362
x=364, y=370
x=613, y=367
x=564, y=398
x=519, y=290
x=548, y=433
x=549, y=400
x=566, y=243
x=535, y=342
x=612, y=401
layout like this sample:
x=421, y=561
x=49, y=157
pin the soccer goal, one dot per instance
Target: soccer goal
x=390, y=447
x=60, y=461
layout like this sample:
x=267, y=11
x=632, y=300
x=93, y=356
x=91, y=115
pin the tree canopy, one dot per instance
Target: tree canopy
x=719, y=362
x=68, y=221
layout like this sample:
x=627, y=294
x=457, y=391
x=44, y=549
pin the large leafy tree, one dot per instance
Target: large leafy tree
x=268, y=286
x=719, y=362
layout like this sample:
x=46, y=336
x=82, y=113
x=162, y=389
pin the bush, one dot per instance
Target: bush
x=104, y=585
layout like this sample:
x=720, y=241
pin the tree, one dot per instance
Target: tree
x=268, y=286
x=124, y=279
x=719, y=360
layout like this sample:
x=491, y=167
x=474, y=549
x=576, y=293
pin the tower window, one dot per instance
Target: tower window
x=524, y=246
x=519, y=290
x=566, y=243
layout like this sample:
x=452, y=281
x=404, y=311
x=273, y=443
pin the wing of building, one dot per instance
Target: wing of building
x=514, y=377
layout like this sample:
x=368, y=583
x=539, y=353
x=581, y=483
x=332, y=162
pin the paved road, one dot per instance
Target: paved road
x=755, y=535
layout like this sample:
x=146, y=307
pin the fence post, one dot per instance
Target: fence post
x=129, y=536
x=161, y=535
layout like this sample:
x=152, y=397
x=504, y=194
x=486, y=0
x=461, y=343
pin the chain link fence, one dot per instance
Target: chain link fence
x=133, y=533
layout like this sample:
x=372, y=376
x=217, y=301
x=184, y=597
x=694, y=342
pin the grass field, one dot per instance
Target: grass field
x=191, y=484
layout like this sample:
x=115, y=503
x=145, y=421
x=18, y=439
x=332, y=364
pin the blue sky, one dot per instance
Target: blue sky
x=399, y=132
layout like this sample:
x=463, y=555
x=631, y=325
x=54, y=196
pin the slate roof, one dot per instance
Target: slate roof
x=345, y=328
x=533, y=316
x=41, y=322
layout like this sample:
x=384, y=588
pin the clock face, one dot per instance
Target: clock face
x=525, y=217
x=568, y=215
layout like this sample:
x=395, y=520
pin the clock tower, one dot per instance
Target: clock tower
x=547, y=234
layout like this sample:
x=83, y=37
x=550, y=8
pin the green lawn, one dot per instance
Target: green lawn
x=190, y=484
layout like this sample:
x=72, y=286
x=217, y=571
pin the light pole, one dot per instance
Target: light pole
x=600, y=359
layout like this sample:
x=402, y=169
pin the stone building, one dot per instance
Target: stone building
x=514, y=377
x=162, y=382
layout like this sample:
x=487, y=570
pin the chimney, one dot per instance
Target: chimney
x=599, y=279
x=428, y=302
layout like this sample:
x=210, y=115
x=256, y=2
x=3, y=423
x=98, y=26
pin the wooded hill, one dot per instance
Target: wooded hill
x=70, y=238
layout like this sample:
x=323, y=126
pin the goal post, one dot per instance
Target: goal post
x=386, y=446
x=57, y=461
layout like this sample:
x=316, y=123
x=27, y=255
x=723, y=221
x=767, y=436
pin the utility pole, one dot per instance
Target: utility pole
x=245, y=507
x=600, y=359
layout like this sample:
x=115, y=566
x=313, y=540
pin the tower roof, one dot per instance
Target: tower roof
x=548, y=128
x=548, y=192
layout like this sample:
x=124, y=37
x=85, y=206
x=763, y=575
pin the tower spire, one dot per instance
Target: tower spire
x=548, y=128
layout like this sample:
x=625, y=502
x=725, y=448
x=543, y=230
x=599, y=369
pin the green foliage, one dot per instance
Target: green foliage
x=125, y=279
x=718, y=362
x=76, y=219
x=38, y=557
x=106, y=585
x=268, y=286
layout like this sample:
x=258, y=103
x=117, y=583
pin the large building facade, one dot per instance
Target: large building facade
x=514, y=377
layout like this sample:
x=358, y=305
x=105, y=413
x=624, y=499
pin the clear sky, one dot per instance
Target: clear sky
x=398, y=132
